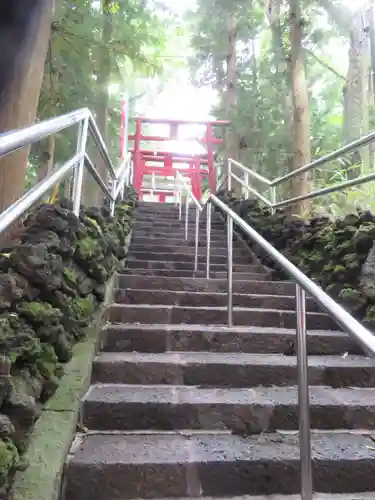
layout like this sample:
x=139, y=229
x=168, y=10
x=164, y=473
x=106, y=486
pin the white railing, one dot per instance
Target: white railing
x=113, y=187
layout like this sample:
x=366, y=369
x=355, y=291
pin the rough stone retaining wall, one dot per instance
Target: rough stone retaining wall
x=338, y=254
x=51, y=285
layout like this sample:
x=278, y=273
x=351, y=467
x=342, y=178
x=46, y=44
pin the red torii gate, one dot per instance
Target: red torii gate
x=200, y=164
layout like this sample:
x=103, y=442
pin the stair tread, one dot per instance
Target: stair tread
x=238, y=359
x=111, y=449
x=238, y=330
x=209, y=294
x=259, y=396
x=211, y=308
x=212, y=280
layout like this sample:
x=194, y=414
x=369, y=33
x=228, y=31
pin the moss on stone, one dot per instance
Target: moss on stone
x=8, y=459
x=84, y=307
x=88, y=248
x=52, y=284
x=70, y=274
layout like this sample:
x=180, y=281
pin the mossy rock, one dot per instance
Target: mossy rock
x=9, y=460
x=39, y=313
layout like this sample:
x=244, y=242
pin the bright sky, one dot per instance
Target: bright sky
x=181, y=100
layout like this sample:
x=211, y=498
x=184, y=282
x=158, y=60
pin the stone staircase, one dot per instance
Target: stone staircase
x=182, y=406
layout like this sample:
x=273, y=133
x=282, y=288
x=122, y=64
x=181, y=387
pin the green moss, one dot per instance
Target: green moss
x=84, y=307
x=39, y=313
x=47, y=361
x=88, y=247
x=70, y=274
x=8, y=459
x=96, y=225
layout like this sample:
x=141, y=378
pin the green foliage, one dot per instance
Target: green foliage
x=262, y=119
x=138, y=42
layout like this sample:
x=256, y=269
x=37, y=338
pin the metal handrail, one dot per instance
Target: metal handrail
x=17, y=139
x=304, y=286
x=363, y=141
x=198, y=210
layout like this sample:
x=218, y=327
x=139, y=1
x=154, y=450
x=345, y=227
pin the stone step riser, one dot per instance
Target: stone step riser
x=225, y=466
x=179, y=226
x=170, y=265
x=247, y=419
x=181, y=243
x=201, y=273
x=177, y=231
x=190, y=284
x=216, y=224
x=118, y=338
x=200, y=316
x=185, y=251
x=179, y=257
x=216, y=240
x=176, y=258
x=164, y=297
x=226, y=374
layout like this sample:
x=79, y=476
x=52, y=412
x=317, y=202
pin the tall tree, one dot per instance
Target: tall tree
x=300, y=102
x=24, y=34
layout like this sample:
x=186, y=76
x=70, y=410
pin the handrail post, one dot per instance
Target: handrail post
x=179, y=205
x=230, y=269
x=229, y=174
x=186, y=217
x=303, y=397
x=113, y=193
x=78, y=173
x=197, y=219
x=208, y=238
x=273, y=198
x=247, y=182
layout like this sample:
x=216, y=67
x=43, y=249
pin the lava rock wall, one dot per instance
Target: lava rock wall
x=51, y=284
x=337, y=254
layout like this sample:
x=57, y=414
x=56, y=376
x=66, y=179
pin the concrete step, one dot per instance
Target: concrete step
x=201, y=273
x=189, y=284
x=179, y=265
x=175, y=223
x=151, y=242
x=156, y=208
x=168, y=297
x=149, y=219
x=195, y=338
x=138, y=465
x=184, y=251
x=189, y=256
x=162, y=314
x=212, y=369
x=244, y=411
x=216, y=236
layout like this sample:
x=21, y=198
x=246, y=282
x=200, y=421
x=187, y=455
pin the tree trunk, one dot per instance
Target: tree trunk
x=355, y=122
x=283, y=82
x=232, y=139
x=301, y=115
x=48, y=158
x=96, y=195
x=355, y=119
x=20, y=84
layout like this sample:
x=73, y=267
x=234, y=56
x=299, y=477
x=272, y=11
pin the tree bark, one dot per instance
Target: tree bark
x=48, y=158
x=355, y=117
x=96, y=195
x=20, y=83
x=232, y=139
x=300, y=103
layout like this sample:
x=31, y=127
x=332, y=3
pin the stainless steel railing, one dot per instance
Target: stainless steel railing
x=180, y=186
x=113, y=187
x=304, y=286
x=272, y=184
